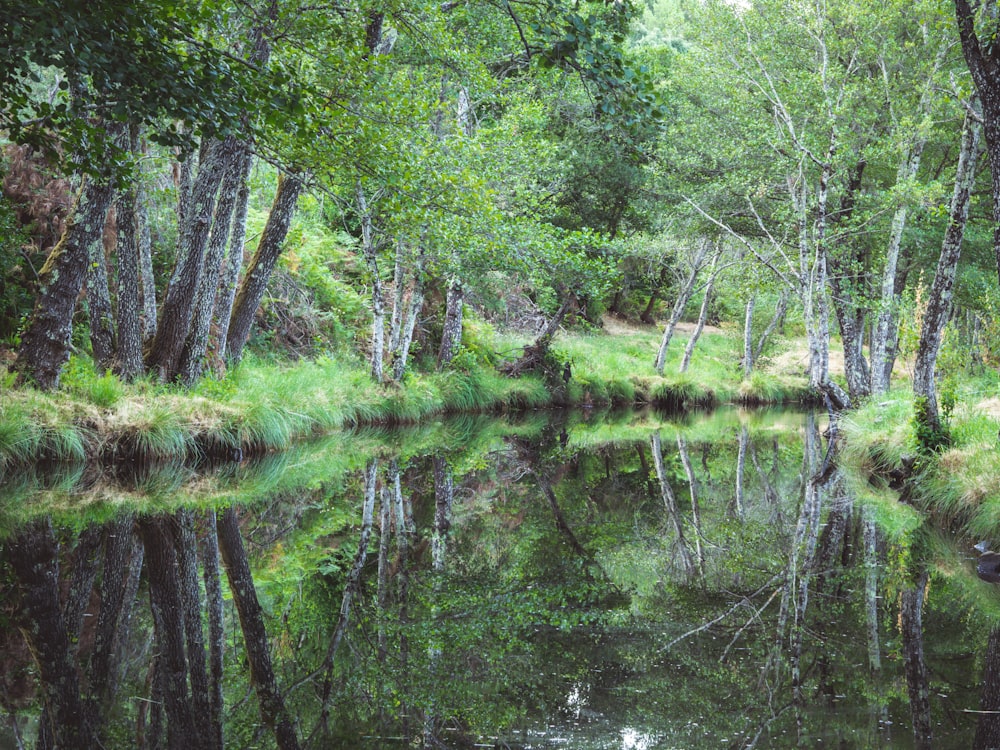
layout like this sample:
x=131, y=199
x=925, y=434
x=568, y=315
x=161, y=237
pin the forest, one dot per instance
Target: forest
x=234, y=231
x=397, y=188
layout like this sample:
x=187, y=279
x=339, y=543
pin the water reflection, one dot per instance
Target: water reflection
x=622, y=582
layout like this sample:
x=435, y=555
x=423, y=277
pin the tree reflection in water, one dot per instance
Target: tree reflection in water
x=628, y=582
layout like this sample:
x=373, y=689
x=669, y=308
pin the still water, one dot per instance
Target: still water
x=562, y=580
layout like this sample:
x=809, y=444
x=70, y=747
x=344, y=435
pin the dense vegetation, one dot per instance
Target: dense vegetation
x=537, y=164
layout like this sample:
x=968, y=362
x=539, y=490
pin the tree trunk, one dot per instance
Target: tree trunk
x=699, y=552
x=351, y=586
x=451, y=334
x=168, y=622
x=939, y=300
x=679, y=304
x=271, y=243
x=190, y=592
x=410, y=323
x=128, y=363
x=534, y=354
x=216, y=634
x=702, y=315
x=741, y=462
x=234, y=556
x=776, y=319
x=670, y=505
x=102, y=330
x=120, y=561
x=145, y=251
x=370, y=252
x=191, y=362
x=33, y=555
x=986, y=75
x=229, y=280
x=398, y=295
x=646, y=316
x=178, y=305
x=918, y=687
x=871, y=591
x=748, y=358
x=988, y=727
x=45, y=344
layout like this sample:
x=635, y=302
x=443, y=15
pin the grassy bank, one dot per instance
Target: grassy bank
x=959, y=487
x=262, y=406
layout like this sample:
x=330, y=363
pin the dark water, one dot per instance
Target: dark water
x=625, y=581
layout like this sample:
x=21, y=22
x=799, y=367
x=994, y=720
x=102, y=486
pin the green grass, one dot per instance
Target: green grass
x=262, y=406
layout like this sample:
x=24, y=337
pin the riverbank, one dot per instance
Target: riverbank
x=262, y=406
x=958, y=487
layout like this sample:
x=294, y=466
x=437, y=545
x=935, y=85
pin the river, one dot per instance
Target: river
x=626, y=580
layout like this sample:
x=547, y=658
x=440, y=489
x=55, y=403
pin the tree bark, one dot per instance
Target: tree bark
x=45, y=344
x=939, y=300
x=988, y=727
x=985, y=69
x=351, y=586
x=918, y=687
x=145, y=251
x=772, y=326
x=33, y=555
x=216, y=634
x=272, y=705
x=178, y=304
x=670, y=505
x=186, y=545
x=102, y=330
x=191, y=362
x=230, y=278
x=702, y=315
x=416, y=303
x=128, y=360
x=168, y=622
x=748, y=358
x=680, y=303
x=118, y=571
x=451, y=334
x=269, y=248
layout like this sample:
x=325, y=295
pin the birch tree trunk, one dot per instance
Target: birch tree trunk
x=772, y=326
x=45, y=343
x=679, y=304
x=939, y=300
x=398, y=295
x=145, y=251
x=702, y=315
x=670, y=505
x=870, y=535
x=269, y=248
x=370, y=252
x=416, y=303
x=351, y=585
x=748, y=358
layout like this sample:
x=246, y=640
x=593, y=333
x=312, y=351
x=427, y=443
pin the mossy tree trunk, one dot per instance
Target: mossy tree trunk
x=165, y=350
x=45, y=344
x=251, y=616
x=254, y=284
x=451, y=334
